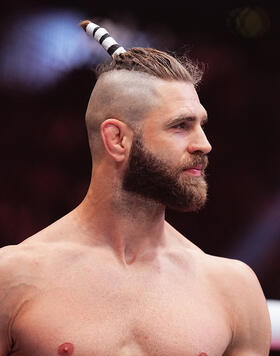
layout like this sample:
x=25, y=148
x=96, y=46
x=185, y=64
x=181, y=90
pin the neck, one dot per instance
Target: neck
x=133, y=227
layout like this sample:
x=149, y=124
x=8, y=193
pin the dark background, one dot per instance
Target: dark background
x=45, y=156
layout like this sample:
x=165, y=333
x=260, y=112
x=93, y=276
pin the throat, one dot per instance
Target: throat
x=145, y=253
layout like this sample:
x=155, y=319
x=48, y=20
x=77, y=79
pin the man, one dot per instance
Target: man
x=112, y=277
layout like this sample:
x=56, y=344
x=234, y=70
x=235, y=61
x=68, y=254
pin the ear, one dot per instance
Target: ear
x=116, y=137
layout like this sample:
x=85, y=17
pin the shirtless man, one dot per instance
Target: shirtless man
x=112, y=277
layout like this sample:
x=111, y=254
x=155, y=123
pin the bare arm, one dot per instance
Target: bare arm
x=251, y=322
x=5, y=285
x=11, y=293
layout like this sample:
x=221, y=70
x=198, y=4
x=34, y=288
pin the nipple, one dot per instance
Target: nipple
x=65, y=349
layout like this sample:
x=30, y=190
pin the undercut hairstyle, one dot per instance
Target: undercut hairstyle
x=155, y=63
x=125, y=90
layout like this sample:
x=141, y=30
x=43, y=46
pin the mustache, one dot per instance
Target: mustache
x=197, y=161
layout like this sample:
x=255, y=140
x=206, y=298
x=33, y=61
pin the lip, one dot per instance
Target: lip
x=195, y=171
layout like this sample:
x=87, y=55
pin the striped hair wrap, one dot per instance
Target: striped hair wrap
x=102, y=36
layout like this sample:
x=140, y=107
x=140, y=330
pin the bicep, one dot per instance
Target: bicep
x=252, y=328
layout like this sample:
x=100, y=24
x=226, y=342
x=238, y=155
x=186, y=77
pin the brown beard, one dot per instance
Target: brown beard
x=154, y=179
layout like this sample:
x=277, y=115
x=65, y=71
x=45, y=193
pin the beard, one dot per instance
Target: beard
x=155, y=179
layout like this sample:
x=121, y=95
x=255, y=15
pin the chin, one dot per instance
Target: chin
x=192, y=204
x=186, y=209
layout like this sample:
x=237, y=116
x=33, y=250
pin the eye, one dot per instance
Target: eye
x=181, y=125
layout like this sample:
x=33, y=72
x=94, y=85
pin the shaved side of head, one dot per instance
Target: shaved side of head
x=126, y=89
x=120, y=94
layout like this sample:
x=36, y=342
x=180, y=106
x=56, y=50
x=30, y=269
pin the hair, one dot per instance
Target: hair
x=155, y=63
x=107, y=100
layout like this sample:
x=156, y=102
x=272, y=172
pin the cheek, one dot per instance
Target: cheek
x=164, y=140
x=173, y=148
x=169, y=146
x=180, y=140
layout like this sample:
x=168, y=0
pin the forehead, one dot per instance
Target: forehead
x=175, y=99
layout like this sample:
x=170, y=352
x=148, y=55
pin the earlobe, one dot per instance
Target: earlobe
x=113, y=136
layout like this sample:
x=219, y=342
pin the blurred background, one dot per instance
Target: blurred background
x=46, y=77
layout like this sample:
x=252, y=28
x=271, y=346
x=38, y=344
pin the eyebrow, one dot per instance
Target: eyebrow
x=188, y=118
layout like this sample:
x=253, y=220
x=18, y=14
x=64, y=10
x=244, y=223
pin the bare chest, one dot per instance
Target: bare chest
x=123, y=318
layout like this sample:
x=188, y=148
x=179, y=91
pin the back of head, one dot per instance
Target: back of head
x=125, y=88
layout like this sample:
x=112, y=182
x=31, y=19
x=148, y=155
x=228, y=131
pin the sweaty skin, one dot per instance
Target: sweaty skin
x=113, y=278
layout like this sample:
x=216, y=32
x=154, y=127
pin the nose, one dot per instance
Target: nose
x=199, y=142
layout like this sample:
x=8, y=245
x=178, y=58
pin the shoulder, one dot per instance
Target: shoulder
x=238, y=290
x=10, y=259
x=244, y=298
x=15, y=260
x=232, y=274
x=236, y=281
x=20, y=271
x=21, y=266
x=12, y=291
